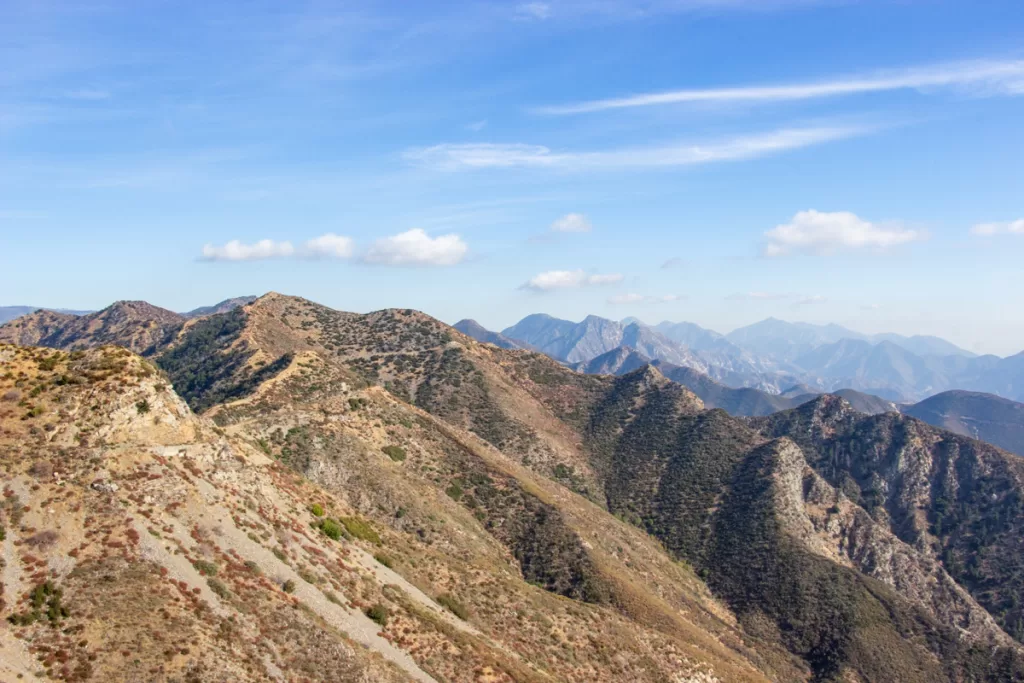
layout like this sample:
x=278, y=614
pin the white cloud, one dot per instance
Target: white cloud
x=568, y=279
x=416, y=248
x=467, y=157
x=533, y=10
x=823, y=232
x=329, y=246
x=813, y=299
x=477, y=126
x=633, y=298
x=980, y=77
x=759, y=296
x=988, y=229
x=237, y=251
x=572, y=222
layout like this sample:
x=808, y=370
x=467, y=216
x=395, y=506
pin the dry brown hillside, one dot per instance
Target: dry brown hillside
x=145, y=543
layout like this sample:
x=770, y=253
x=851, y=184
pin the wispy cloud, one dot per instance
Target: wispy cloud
x=477, y=126
x=1004, y=227
x=674, y=262
x=572, y=222
x=820, y=232
x=533, y=10
x=87, y=94
x=759, y=296
x=416, y=248
x=633, y=298
x=980, y=78
x=809, y=300
x=467, y=157
x=568, y=279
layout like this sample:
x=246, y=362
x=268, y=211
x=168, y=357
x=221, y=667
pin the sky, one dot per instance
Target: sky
x=715, y=161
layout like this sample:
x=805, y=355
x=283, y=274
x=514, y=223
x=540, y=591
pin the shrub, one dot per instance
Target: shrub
x=449, y=602
x=205, y=568
x=142, y=406
x=253, y=567
x=378, y=613
x=317, y=510
x=288, y=586
x=360, y=529
x=331, y=529
x=396, y=453
x=219, y=588
x=385, y=560
x=454, y=491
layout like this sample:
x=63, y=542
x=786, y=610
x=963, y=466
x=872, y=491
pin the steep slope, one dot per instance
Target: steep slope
x=996, y=420
x=222, y=307
x=694, y=336
x=136, y=325
x=616, y=362
x=954, y=499
x=866, y=403
x=472, y=328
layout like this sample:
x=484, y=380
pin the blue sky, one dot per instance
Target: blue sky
x=718, y=161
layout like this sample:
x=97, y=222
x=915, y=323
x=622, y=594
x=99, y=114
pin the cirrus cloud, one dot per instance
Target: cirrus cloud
x=416, y=248
x=568, y=279
x=820, y=232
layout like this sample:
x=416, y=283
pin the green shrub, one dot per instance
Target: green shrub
x=253, y=567
x=396, y=453
x=360, y=529
x=385, y=560
x=205, y=568
x=219, y=588
x=331, y=529
x=378, y=613
x=142, y=406
x=288, y=586
x=449, y=602
x=317, y=510
x=454, y=491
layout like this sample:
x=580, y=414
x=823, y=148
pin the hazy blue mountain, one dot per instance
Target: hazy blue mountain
x=695, y=337
x=924, y=345
x=222, y=307
x=774, y=337
x=472, y=328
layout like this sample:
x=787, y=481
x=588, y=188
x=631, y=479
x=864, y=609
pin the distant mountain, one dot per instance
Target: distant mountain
x=594, y=336
x=222, y=307
x=136, y=325
x=475, y=330
x=618, y=361
x=8, y=313
x=990, y=418
x=746, y=402
x=695, y=337
x=785, y=339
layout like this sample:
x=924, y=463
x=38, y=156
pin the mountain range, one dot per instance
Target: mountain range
x=287, y=491
x=774, y=355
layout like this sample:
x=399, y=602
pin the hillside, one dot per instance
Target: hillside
x=499, y=477
x=990, y=418
x=200, y=551
x=136, y=325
